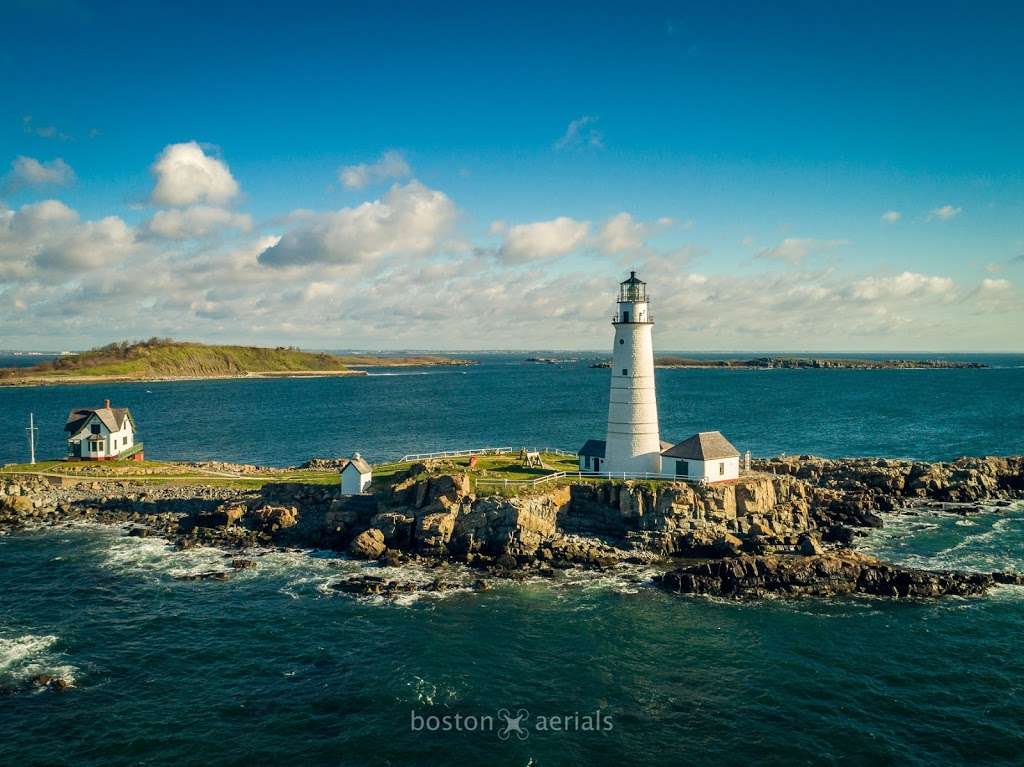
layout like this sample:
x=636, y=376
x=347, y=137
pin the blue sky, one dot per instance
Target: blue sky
x=754, y=150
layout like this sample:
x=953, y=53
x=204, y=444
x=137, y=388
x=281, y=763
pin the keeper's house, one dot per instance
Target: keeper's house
x=705, y=456
x=102, y=434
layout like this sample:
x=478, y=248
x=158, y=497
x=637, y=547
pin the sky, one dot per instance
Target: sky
x=785, y=176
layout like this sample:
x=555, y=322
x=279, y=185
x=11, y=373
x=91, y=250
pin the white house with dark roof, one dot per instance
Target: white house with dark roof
x=356, y=475
x=705, y=456
x=102, y=434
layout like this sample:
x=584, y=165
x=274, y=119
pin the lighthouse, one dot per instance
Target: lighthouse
x=632, y=443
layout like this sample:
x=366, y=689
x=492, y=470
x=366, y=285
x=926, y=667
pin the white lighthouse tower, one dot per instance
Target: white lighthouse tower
x=632, y=443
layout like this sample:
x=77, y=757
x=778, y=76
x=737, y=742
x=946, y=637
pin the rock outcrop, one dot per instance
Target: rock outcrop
x=818, y=575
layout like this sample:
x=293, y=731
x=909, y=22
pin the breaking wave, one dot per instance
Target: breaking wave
x=29, y=655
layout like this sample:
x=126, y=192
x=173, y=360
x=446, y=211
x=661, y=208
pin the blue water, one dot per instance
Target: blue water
x=926, y=414
x=273, y=667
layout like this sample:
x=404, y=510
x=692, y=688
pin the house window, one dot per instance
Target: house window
x=721, y=468
x=625, y=371
x=682, y=468
x=95, y=428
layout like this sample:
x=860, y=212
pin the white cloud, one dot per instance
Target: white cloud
x=29, y=172
x=891, y=216
x=581, y=134
x=49, y=236
x=793, y=250
x=622, y=234
x=543, y=239
x=408, y=220
x=186, y=175
x=197, y=221
x=390, y=165
x=995, y=295
x=903, y=286
x=944, y=213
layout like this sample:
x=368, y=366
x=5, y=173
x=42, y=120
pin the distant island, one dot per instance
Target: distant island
x=163, y=359
x=807, y=362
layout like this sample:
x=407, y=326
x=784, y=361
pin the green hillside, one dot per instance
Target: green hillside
x=164, y=358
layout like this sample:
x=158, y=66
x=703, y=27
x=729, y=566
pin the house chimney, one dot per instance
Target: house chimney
x=106, y=403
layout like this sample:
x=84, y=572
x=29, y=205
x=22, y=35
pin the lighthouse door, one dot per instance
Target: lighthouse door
x=625, y=316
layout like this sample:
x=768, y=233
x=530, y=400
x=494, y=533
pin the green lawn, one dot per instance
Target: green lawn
x=168, y=472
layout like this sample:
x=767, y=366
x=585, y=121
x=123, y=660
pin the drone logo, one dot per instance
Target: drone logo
x=513, y=724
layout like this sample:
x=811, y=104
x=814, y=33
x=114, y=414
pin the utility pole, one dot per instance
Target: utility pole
x=32, y=430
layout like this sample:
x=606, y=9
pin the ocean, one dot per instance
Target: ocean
x=274, y=667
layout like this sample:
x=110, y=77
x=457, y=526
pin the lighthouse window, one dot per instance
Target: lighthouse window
x=622, y=340
x=625, y=371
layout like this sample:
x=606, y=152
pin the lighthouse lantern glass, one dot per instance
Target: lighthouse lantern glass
x=632, y=289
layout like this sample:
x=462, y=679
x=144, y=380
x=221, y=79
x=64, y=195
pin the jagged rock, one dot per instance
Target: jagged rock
x=809, y=545
x=274, y=518
x=396, y=527
x=818, y=575
x=209, y=575
x=243, y=564
x=368, y=544
x=17, y=505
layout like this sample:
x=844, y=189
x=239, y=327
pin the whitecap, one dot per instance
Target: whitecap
x=29, y=655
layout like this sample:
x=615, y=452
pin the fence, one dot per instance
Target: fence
x=479, y=451
x=605, y=475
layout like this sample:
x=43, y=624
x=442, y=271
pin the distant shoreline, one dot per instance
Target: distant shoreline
x=37, y=380
x=810, y=363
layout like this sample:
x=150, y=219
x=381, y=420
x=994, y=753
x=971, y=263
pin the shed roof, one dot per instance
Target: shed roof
x=358, y=463
x=703, y=446
x=593, y=447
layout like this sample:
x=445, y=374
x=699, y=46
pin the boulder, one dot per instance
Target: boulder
x=808, y=545
x=273, y=518
x=369, y=544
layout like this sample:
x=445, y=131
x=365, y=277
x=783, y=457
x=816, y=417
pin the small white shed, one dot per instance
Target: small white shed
x=356, y=475
x=705, y=456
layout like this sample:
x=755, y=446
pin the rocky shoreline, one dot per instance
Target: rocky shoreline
x=788, y=527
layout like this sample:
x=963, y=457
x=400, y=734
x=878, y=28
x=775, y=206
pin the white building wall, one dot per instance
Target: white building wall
x=633, y=443
x=352, y=482
x=125, y=438
x=712, y=471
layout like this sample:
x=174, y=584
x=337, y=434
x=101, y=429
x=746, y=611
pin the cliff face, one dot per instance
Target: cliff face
x=882, y=483
x=683, y=518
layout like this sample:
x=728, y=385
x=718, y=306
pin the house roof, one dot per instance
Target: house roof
x=357, y=462
x=111, y=417
x=593, y=447
x=704, y=446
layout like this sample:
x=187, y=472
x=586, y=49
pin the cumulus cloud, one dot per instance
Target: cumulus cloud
x=49, y=236
x=903, y=286
x=581, y=134
x=409, y=220
x=195, y=222
x=622, y=234
x=186, y=175
x=891, y=216
x=793, y=250
x=543, y=239
x=390, y=165
x=30, y=172
x=994, y=295
x=944, y=213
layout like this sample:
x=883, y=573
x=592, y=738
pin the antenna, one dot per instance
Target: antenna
x=32, y=433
